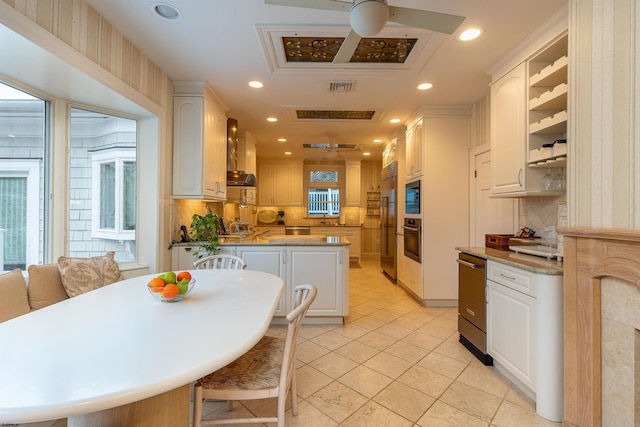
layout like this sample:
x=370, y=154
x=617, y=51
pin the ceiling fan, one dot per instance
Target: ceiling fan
x=368, y=18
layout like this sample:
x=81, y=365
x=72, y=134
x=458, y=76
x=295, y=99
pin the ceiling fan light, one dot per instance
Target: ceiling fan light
x=368, y=17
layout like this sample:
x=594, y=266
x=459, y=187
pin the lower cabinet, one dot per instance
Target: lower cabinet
x=326, y=267
x=525, y=333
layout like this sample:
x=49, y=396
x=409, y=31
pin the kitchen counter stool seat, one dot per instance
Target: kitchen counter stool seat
x=221, y=261
x=265, y=371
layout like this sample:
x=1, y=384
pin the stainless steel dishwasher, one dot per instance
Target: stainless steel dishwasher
x=472, y=306
x=297, y=231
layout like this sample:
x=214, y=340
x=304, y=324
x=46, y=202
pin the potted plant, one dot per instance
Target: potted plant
x=204, y=231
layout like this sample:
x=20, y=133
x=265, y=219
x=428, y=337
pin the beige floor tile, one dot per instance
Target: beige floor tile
x=309, y=351
x=422, y=340
x=443, y=415
x=310, y=380
x=485, y=378
x=365, y=381
x=388, y=365
x=377, y=340
x=404, y=400
x=351, y=331
x=407, y=322
x=443, y=365
x=331, y=340
x=455, y=350
x=425, y=380
x=373, y=414
x=436, y=330
x=334, y=365
x=385, y=315
x=394, y=331
x=311, y=331
x=471, y=400
x=511, y=414
x=308, y=416
x=357, y=351
x=409, y=352
x=337, y=401
x=369, y=322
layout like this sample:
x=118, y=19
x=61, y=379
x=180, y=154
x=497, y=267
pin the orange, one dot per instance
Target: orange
x=171, y=290
x=184, y=275
x=156, y=282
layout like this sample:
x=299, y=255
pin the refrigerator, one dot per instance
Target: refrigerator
x=388, y=218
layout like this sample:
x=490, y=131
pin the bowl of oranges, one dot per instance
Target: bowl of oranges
x=171, y=286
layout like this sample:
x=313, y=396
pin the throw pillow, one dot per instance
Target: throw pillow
x=44, y=286
x=14, y=301
x=80, y=275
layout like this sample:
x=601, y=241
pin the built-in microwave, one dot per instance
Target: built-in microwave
x=412, y=198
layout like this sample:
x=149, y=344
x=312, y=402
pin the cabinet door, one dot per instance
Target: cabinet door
x=266, y=182
x=353, y=183
x=181, y=259
x=416, y=149
x=210, y=153
x=268, y=259
x=322, y=267
x=296, y=195
x=188, y=161
x=408, y=154
x=508, y=131
x=511, y=329
x=218, y=167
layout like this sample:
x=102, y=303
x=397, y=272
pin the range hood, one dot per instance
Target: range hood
x=235, y=177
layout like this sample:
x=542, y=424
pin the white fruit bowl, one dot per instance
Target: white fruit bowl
x=158, y=295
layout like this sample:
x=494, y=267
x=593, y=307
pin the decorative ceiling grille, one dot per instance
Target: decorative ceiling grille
x=386, y=50
x=335, y=114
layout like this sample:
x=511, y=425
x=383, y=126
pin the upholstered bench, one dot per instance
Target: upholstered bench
x=51, y=283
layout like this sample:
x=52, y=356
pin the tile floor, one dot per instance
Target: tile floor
x=393, y=363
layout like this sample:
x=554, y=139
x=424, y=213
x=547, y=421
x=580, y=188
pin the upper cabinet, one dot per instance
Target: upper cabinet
x=199, y=144
x=353, y=183
x=529, y=124
x=508, y=131
x=414, y=150
x=247, y=153
x=280, y=184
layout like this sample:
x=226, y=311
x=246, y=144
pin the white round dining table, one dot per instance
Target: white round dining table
x=115, y=346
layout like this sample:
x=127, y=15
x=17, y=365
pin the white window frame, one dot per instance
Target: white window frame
x=14, y=168
x=118, y=156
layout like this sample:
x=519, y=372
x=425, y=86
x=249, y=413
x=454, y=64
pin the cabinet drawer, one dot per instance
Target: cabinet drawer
x=514, y=278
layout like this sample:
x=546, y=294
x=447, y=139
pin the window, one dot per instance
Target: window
x=23, y=161
x=323, y=193
x=114, y=194
x=102, y=185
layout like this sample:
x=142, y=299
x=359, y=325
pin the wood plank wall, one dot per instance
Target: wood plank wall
x=80, y=26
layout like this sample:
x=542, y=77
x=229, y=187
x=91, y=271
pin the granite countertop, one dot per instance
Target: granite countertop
x=310, y=226
x=277, y=240
x=526, y=262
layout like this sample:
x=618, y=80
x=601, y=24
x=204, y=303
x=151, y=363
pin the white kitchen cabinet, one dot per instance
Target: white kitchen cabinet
x=247, y=153
x=353, y=185
x=280, y=185
x=181, y=259
x=325, y=268
x=268, y=259
x=508, y=131
x=525, y=333
x=199, y=149
x=414, y=142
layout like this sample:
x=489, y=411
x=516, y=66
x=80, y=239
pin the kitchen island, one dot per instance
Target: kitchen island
x=320, y=260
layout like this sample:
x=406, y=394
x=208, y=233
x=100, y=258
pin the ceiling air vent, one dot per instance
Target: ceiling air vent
x=341, y=86
x=335, y=114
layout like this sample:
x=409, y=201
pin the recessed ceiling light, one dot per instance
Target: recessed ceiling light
x=366, y=153
x=272, y=119
x=470, y=34
x=256, y=84
x=425, y=86
x=282, y=139
x=288, y=153
x=394, y=121
x=377, y=140
x=166, y=11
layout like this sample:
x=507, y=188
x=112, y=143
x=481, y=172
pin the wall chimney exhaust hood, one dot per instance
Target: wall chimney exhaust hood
x=235, y=177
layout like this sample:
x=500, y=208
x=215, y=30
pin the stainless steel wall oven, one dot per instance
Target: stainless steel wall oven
x=412, y=238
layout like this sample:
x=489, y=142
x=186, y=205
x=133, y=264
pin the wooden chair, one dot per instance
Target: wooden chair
x=221, y=261
x=265, y=371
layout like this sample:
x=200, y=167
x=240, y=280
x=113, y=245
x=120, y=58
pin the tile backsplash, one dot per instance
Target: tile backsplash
x=540, y=214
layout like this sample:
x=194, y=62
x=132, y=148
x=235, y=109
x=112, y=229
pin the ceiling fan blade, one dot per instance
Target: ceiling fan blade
x=434, y=21
x=313, y=4
x=347, y=49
